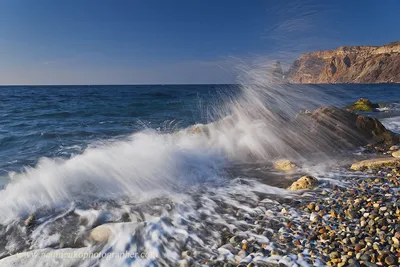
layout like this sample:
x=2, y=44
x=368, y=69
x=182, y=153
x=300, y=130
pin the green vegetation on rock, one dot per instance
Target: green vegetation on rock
x=363, y=104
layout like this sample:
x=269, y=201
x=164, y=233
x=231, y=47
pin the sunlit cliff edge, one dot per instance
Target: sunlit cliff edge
x=348, y=64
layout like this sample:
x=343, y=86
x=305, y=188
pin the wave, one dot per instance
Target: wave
x=392, y=124
x=148, y=163
x=169, y=179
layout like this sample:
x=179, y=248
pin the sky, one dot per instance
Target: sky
x=176, y=41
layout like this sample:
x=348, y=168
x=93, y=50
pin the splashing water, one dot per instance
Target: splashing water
x=149, y=163
x=188, y=169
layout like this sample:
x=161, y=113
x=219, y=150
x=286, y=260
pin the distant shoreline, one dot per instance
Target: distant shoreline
x=346, y=64
x=192, y=84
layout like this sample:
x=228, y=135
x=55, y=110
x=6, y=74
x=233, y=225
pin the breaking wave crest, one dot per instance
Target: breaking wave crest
x=149, y=163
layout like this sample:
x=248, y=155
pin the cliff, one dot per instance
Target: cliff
x=348, y=64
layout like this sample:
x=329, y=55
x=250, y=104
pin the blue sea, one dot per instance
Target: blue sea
x=79, y=157
x=62, y=121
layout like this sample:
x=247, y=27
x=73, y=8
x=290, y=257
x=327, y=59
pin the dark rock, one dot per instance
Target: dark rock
x=333, y=128
x=390, y=260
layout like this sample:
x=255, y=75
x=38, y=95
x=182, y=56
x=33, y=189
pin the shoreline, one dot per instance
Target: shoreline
x=356, y=223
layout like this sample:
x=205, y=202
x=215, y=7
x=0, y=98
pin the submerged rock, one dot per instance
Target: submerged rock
x=284, y=165
x=305, y=182
x=363, y=104
x=375, y=163
x=31, y=220
x=198, y=129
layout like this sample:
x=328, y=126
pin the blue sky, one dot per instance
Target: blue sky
x=175, y=41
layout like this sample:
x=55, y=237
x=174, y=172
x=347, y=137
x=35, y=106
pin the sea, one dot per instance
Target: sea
x=154, y=165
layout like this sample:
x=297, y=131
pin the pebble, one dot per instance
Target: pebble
x=356, y=226
x=390, y=260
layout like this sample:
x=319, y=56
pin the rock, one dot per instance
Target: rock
x=348, y=64
x=353, y=263
x=370, y=264
x=362, y=104
x=31, y=220
x=390, y=260
x=334, y=255
x=184, y=263
x=198, y=129
x=394, y=148
x=284, y=165
x=396, y=154
x=375, y=163
x=345, y=129
x=186, y=254
x=228, y=247
x=101, y=233
x=305, y=182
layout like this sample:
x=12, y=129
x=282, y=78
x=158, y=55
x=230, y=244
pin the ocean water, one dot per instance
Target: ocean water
x=62, y=121
x=153, y=155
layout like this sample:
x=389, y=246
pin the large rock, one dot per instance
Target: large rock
x=305, y=182
x=348, y=64
x=326, y=129
x=375, y=163
x=284, y=165
x=347, y=129
x=363, y=104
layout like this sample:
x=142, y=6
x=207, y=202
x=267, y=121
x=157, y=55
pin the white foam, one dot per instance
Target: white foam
x=392, y=124
x=384, y=109
x=147, y=164
x=150, y=165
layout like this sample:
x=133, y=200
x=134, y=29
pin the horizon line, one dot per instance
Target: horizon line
x=117, y=84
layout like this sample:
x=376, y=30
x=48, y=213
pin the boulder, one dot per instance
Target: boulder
x=101, y=233
x=347, y=129
x=396, y=154
x=284, y=165
x=363, y=104
x=305, y=182
x=375, y=163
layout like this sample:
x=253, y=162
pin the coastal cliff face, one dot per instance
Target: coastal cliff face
x=348, y=64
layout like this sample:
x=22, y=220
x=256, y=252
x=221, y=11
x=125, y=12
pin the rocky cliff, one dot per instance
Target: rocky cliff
x=348, y=64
